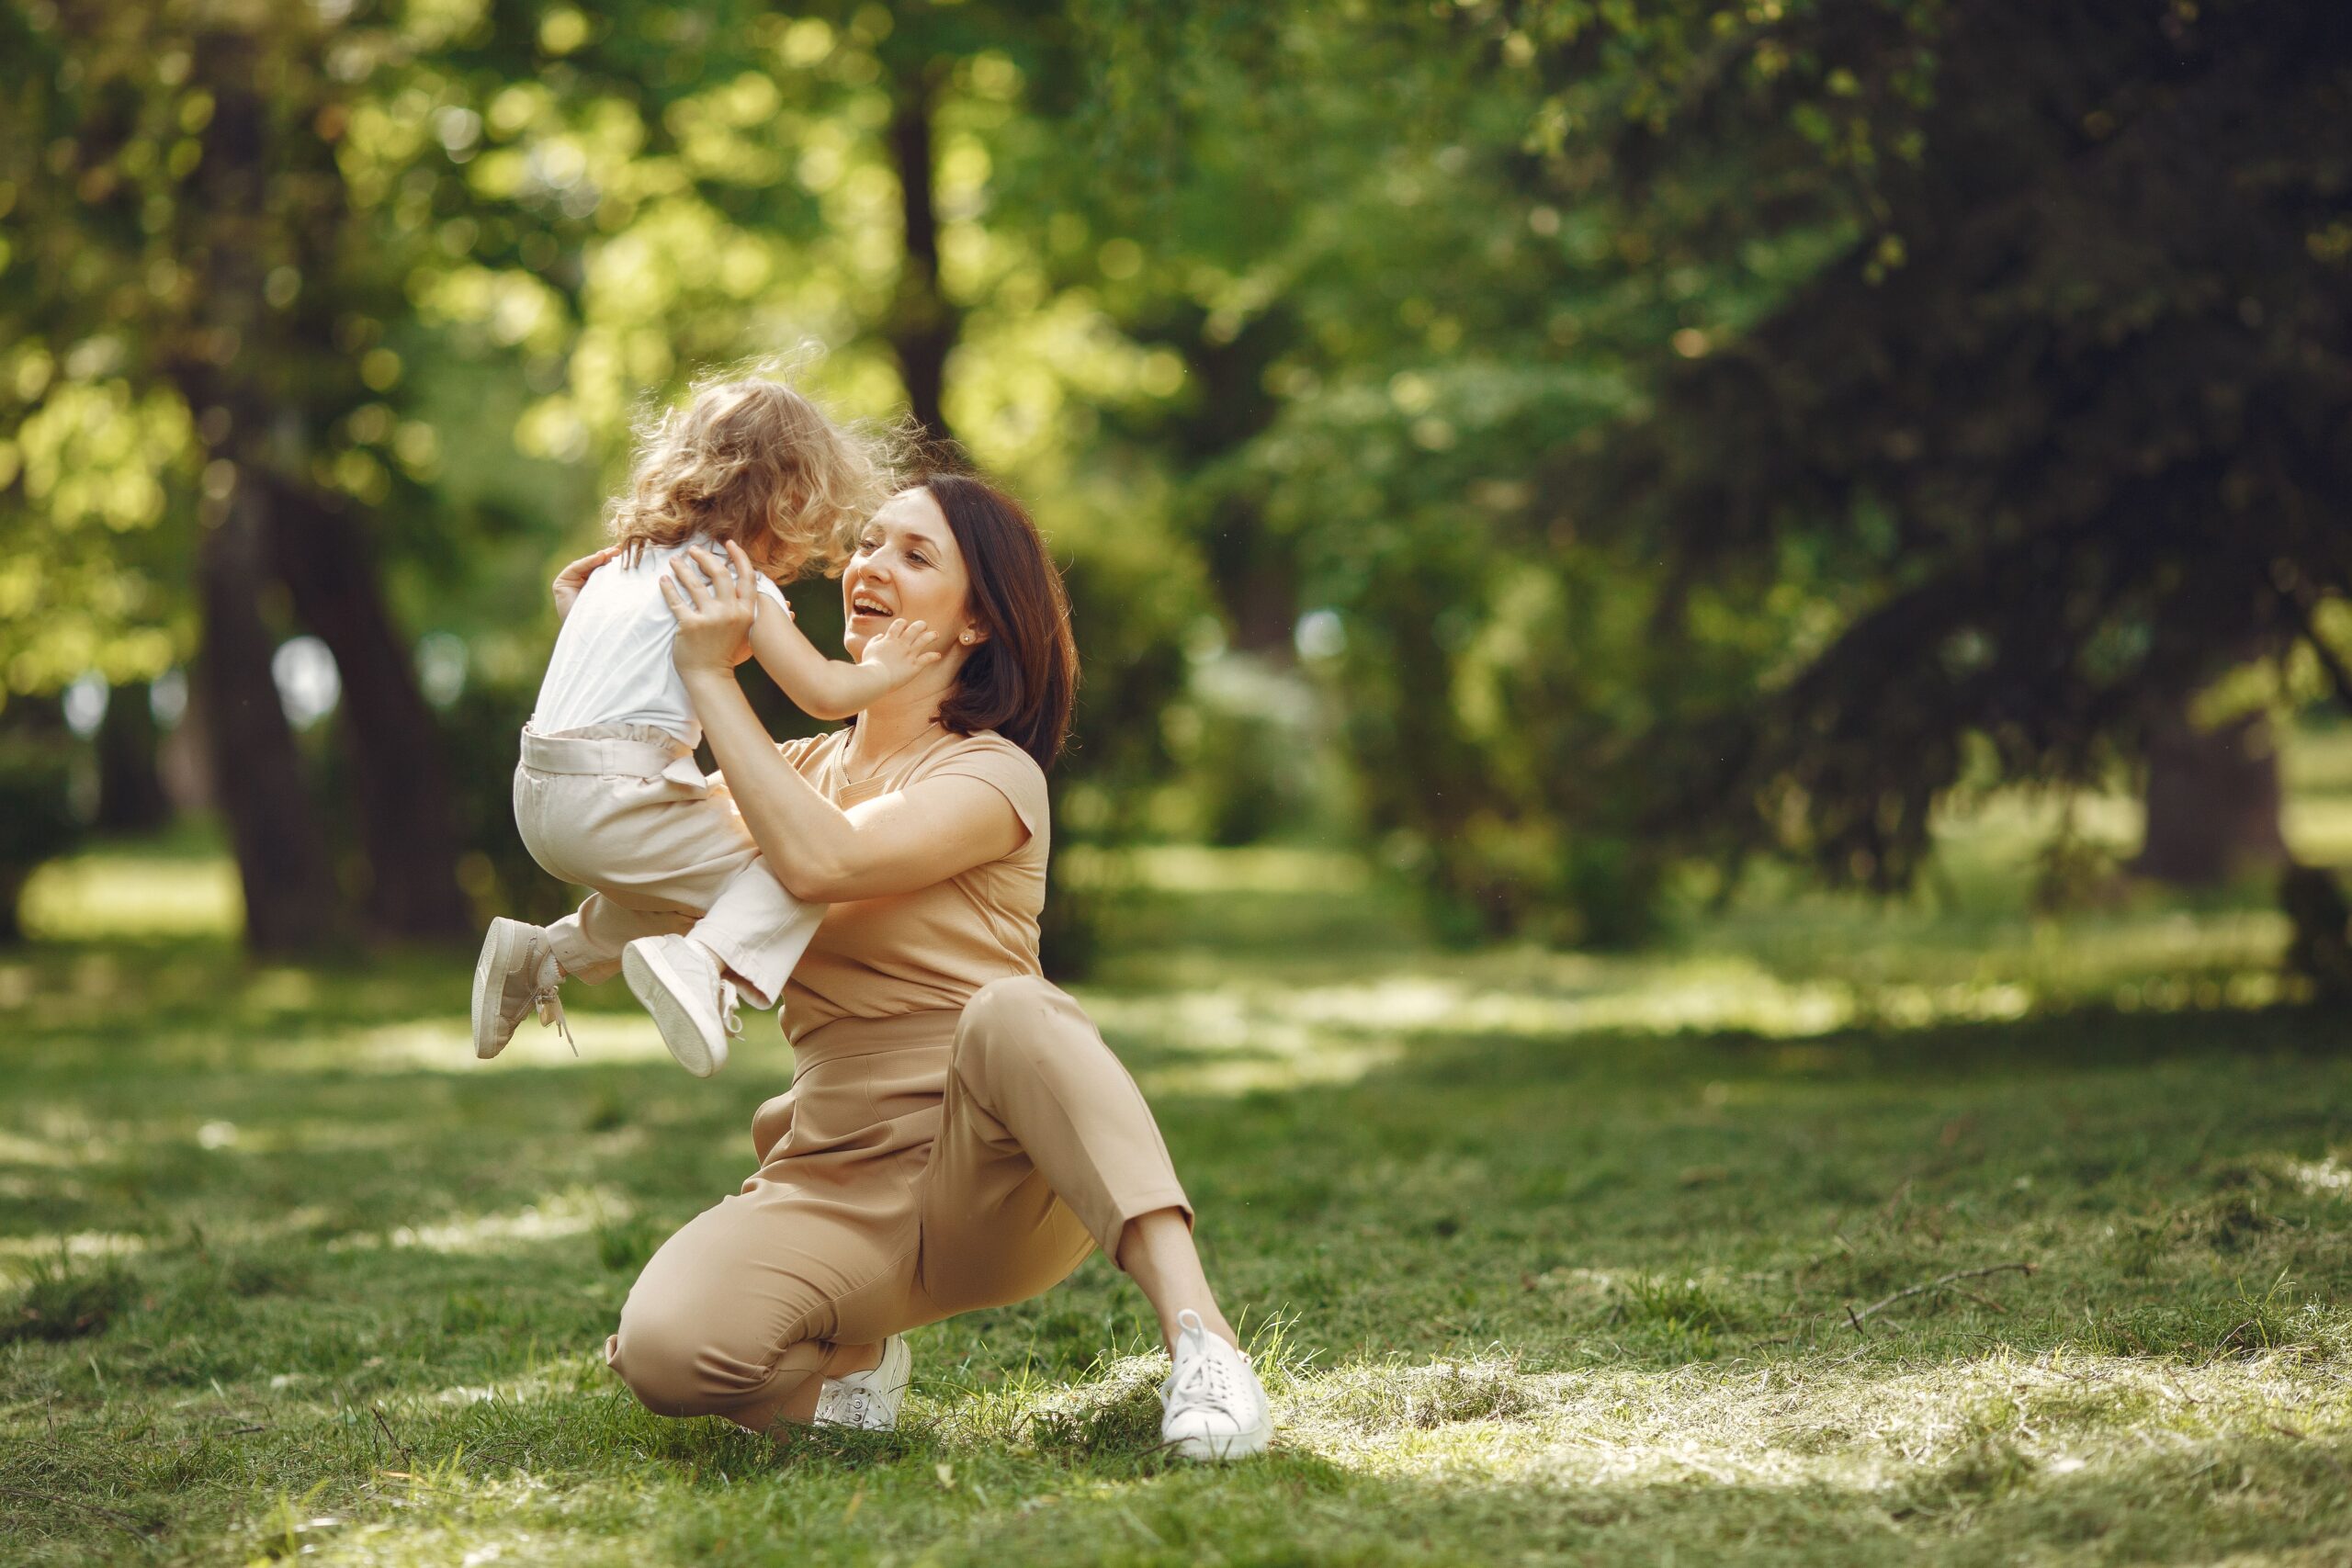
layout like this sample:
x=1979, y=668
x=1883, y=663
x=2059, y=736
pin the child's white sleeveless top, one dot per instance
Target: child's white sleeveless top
x=611, y=663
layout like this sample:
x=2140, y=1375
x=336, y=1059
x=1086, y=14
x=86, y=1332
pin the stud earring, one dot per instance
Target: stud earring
x=966, y=638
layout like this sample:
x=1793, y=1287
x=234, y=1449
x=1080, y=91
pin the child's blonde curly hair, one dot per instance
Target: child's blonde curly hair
x=749, y=460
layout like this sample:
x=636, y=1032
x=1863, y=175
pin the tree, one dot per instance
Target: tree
x=2070, y=405
x=171, y=222
x=1712, y=425
x=219, y=218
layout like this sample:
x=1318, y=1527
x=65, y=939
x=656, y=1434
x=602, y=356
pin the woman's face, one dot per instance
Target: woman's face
x=908, y=568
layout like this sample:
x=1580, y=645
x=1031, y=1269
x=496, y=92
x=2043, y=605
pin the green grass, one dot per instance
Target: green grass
x=1551, y=1257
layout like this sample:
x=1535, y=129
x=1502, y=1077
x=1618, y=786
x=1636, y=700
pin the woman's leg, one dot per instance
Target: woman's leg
x=738, y=1314
x=1047, y=1143
x=1046, y=1147
x=1157, y=1251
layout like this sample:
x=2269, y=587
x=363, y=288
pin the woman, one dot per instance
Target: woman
x=958, y=1135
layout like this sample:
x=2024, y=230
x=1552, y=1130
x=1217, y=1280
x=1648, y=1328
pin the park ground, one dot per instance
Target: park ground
x=1829, y=1233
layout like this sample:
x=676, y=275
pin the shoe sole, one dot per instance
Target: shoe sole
x=1217, y=1451
x=657, y=986
x=498, y=956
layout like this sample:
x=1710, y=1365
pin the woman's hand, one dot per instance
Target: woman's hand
x=573, y=578
x=715, y=608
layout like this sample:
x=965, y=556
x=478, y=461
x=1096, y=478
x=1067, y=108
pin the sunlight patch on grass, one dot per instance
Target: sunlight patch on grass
x=1535, y=994
x=575, y=1211
x=1857, y=1424
x=17, y=1149
x=1232, y=1041
x=1648, y=997
x=126, y=894
x=1330, y=1061
x=17, y=1251
x=1239, y=1032
x=2329, y=1175
x=445, y=1045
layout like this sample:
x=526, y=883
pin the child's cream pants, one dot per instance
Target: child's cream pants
x=622, y=809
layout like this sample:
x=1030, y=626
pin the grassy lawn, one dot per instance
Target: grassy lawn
x=1830, y=1234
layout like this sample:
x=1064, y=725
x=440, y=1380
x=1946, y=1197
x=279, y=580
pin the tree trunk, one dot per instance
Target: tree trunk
x=407, y=818
x=923, y=325
x=2212, y=801
x=2319, y=941
x=1256, y=580
x=131, y=783
x=291, y=904
x=37, y=822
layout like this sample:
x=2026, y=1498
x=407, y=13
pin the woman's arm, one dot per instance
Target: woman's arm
x=893, y=843
x=573, y=578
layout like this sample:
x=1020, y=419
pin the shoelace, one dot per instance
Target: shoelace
x=547, y=1001
x=1206, y=1378
x=733, y=1024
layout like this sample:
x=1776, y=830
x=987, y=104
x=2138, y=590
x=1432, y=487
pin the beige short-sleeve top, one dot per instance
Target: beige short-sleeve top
x=935, y=946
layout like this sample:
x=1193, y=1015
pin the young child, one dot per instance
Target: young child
x=608, y=795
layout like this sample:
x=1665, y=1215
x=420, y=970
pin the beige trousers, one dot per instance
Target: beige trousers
x=921, y=1165
x=622, y=809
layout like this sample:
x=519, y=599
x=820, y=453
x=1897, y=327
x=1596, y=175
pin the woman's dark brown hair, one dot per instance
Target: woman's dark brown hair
x=1021, y=679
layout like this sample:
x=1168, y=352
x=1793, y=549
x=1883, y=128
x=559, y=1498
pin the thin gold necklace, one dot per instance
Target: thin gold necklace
x=877, y=768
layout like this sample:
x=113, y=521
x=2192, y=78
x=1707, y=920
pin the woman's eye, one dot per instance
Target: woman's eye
x=917, y=559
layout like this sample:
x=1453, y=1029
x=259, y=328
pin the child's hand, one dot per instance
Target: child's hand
x=902, y=649
x=573, y=578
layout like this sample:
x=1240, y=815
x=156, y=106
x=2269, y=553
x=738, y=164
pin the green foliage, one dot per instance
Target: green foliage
x=2034, y=412
x=1716, y=424
x=1698, y=426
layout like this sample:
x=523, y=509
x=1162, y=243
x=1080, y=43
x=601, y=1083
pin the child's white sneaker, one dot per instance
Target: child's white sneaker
x=1211, y=1406
x=516, y=974
x=869, y=1400
x=693, y=1003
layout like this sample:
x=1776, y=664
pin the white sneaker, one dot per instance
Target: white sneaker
x=1211, y=1406
x=870, y=1399
x=693, y=1004
x=516, y=974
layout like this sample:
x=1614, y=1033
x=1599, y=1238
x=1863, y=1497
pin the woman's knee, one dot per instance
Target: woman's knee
x=1008, y=1032
x=659, y=1354
x=1006, y=1008
x=676, y=1360
x=704, y=1329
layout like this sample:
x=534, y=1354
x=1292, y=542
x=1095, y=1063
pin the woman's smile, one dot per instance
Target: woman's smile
x=907, y=567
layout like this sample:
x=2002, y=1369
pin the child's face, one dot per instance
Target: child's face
x=907, y=568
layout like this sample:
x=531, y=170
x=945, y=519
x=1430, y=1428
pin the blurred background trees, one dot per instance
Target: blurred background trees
x=1555, y=445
